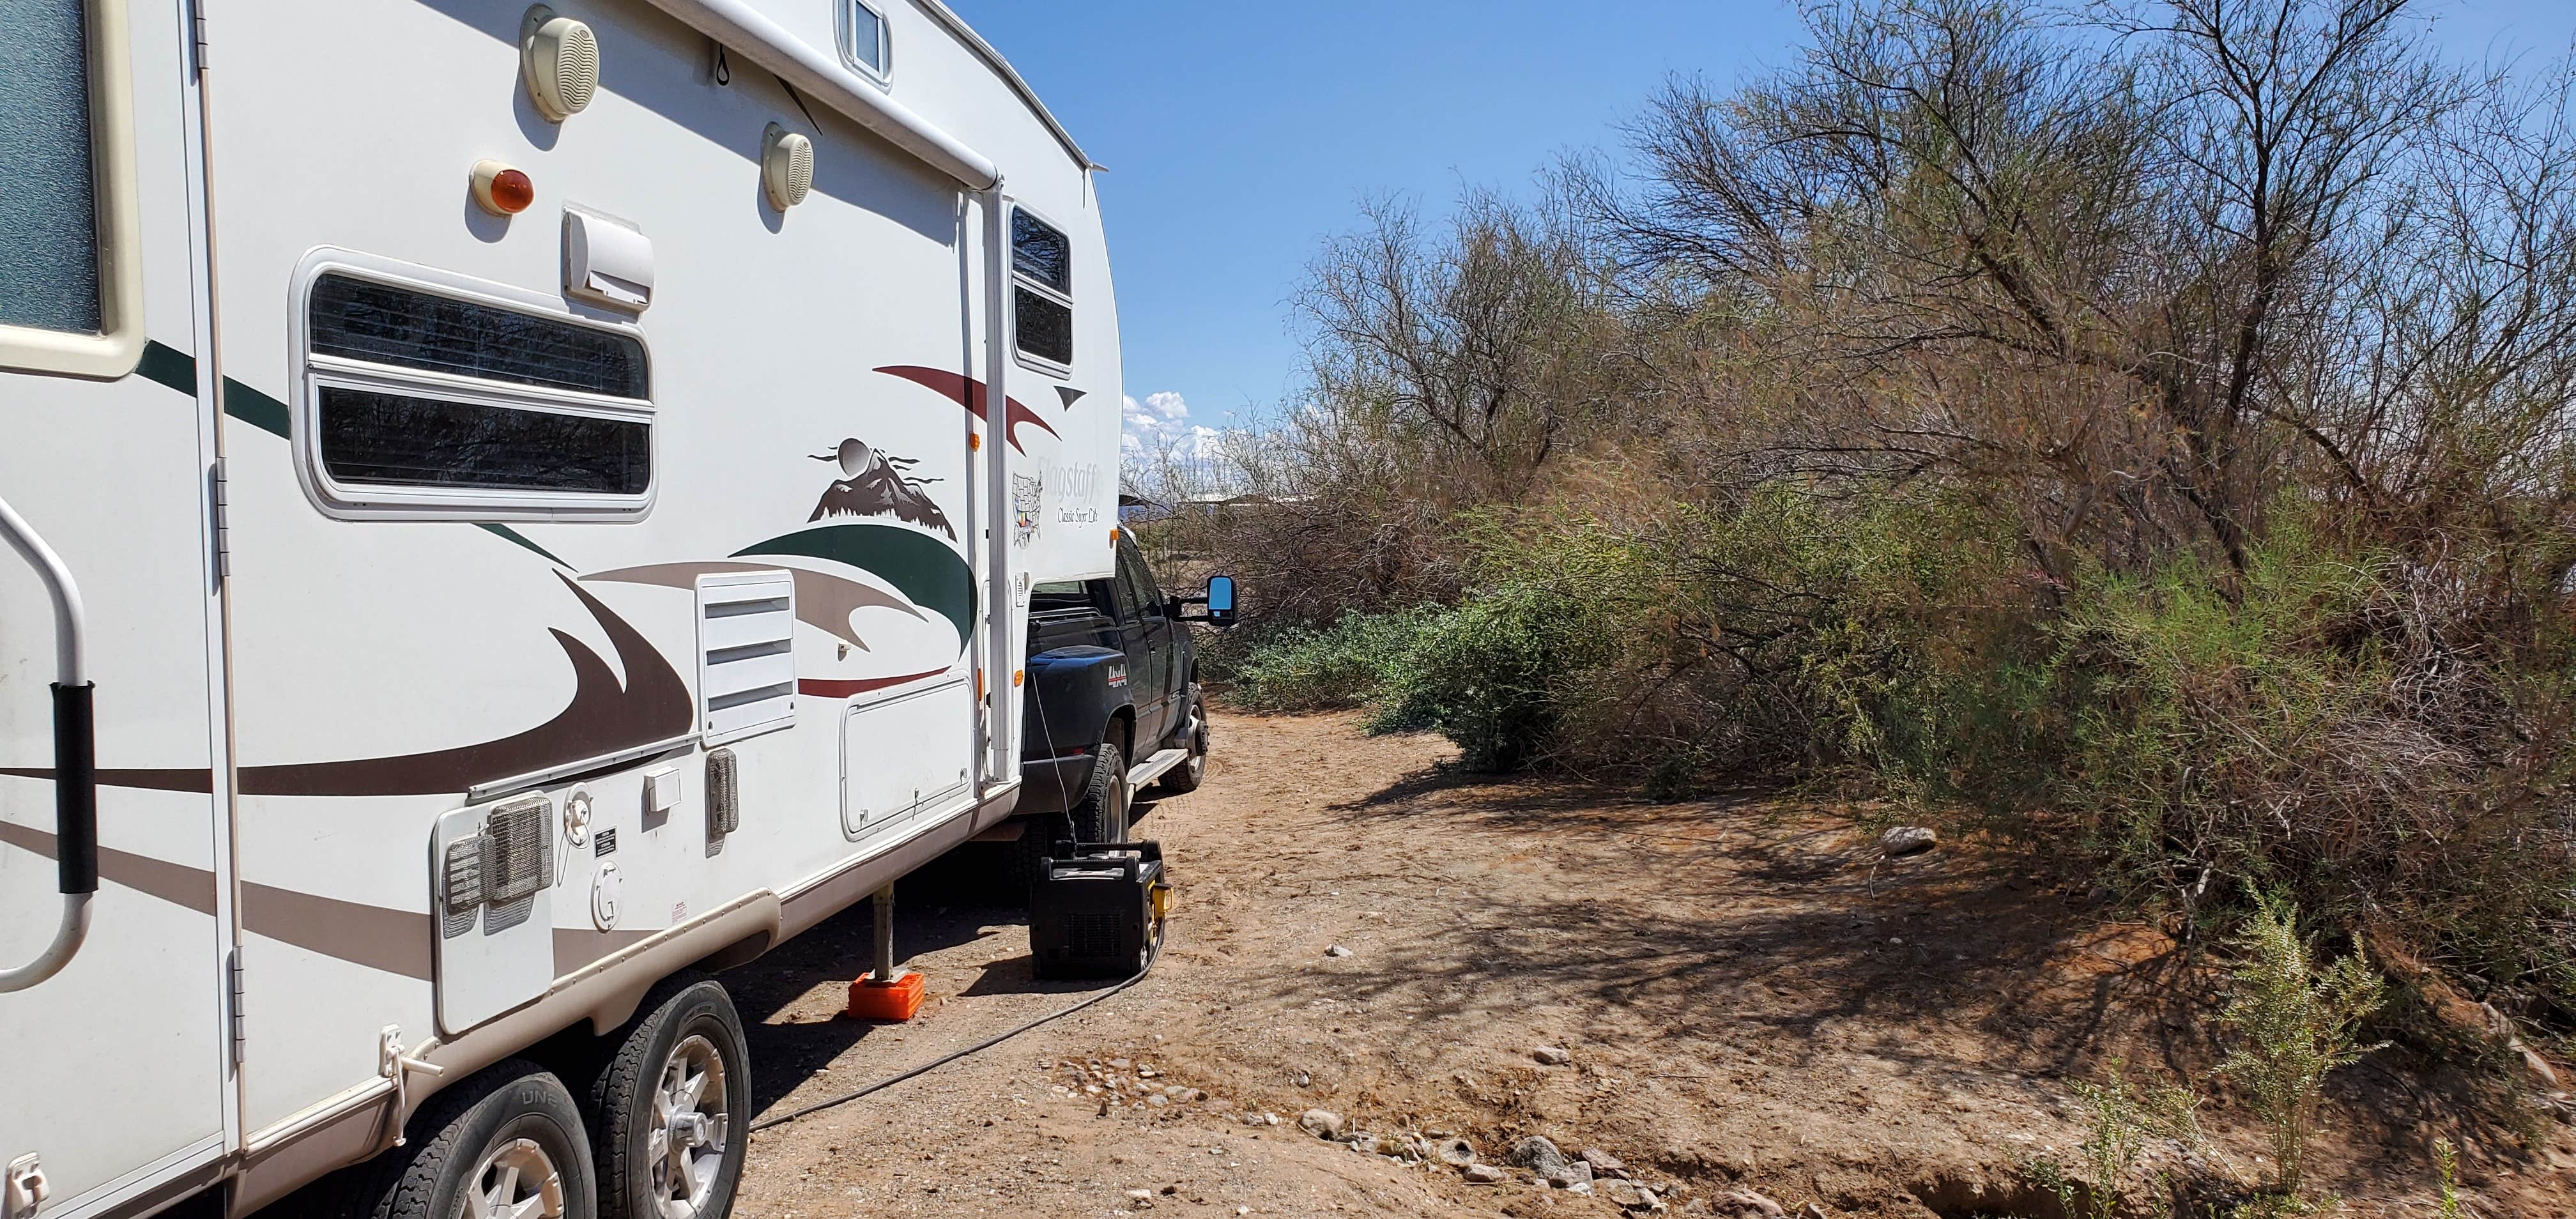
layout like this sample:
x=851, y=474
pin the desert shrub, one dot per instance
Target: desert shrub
x=2339, y=729
x=2120, y=1119
x=1495, y=675
x=2295, y=1020
x=1346, y=664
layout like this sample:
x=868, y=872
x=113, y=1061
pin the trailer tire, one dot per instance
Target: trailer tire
x=657, y=1082
x=491, y=1132
x=1107, y=809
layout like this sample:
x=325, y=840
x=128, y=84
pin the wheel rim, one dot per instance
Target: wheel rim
x=686, y=1150
x=1116, y=821
x=516, y=1180
x=1197, y=763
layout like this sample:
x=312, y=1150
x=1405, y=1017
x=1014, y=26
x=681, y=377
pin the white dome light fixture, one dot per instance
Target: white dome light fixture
x=560, y=58
x=786, y=166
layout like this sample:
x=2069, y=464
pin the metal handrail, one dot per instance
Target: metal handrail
x=75, y=757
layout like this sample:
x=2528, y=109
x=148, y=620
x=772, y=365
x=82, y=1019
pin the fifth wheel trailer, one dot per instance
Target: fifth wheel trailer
x=510, y=509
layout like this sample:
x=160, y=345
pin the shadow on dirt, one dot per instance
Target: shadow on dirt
x=1841, y=937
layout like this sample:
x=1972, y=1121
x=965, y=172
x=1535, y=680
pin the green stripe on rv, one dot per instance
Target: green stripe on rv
x=918, y=565
x=167, y=365
x=255, y=408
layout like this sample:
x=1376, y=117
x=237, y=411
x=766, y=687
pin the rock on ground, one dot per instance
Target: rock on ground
x=1908, y=840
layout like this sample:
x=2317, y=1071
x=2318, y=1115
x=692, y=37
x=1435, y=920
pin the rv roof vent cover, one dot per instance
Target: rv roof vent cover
x=561, y=58
x=786, y=166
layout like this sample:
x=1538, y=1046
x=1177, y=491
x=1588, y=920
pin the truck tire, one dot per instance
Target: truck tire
x=506, y=1142
x=1106, y=808
x=671, y=1108
x=1185, y=778
x=1022, y=855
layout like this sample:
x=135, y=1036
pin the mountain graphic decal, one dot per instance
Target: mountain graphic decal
x=876, y=484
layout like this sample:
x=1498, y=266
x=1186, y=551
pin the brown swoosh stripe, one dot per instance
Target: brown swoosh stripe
x=396, y=941
x=602, y=718
x=824, y=602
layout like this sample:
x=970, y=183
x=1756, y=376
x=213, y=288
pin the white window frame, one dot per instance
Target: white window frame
x=847, y=31
x=379, y=502
x=114, y=351
x=1027, y=358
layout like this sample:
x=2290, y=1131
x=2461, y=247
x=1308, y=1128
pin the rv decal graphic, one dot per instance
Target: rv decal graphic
x=879, y=484
x=603, y=717
x=919, y=566
x=1028, y=508
x=824, y=602
x=970, y=393
x=395, y=941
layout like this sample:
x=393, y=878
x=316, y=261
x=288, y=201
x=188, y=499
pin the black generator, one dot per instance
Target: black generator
x=1097, y=910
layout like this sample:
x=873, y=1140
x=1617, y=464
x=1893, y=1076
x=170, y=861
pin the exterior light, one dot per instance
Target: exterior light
x=501, y=190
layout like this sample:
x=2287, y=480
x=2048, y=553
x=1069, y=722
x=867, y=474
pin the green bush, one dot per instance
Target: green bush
x=1299, y=668
x=1495, y=675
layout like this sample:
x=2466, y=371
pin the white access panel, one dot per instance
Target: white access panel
x=905, y=753
x=492, y=955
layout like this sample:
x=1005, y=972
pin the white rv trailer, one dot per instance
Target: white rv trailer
x=521, y=490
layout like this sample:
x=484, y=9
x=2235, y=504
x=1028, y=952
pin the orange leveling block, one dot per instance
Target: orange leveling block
x=883, y=994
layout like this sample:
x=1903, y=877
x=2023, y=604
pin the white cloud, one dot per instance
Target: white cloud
x=1161, y=425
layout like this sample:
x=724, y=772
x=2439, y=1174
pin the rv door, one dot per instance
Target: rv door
x=119, y=1078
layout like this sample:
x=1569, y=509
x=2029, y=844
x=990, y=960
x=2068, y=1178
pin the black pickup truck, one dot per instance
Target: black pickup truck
x=1112, y=703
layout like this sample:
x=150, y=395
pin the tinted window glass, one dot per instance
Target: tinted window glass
x=48, y=211
x=867, y=37
x=1141, y=572
x=1041, y=253
x=387, y=325
x=1045, y=328
x=397, y=439
x=1057, y=595
x=1140, y=587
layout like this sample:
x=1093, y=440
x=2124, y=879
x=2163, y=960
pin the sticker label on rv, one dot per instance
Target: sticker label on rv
x=1028, y=508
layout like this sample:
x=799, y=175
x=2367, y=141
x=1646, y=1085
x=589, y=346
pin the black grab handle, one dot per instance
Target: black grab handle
x=75, y=788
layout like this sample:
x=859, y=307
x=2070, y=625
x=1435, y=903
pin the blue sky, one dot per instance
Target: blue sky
x=1238, y=136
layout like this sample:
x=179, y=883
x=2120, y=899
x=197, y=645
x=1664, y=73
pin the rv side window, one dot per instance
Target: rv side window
x=422, y=403
x=70, y=277
x=1041, y=292
x=866, y=44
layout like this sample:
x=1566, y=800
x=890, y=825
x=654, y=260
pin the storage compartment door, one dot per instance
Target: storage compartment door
x=904, y=754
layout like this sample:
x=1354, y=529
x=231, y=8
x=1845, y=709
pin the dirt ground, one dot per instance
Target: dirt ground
x=1751, y=995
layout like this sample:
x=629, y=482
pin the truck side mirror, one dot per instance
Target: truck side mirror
x=1220, y=600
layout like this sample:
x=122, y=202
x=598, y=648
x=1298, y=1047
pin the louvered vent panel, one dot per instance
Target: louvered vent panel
x=746, y=665
x=518, y=852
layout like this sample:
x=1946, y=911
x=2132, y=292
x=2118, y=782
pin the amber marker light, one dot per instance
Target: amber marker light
x=501, y=190
x=974, y=441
